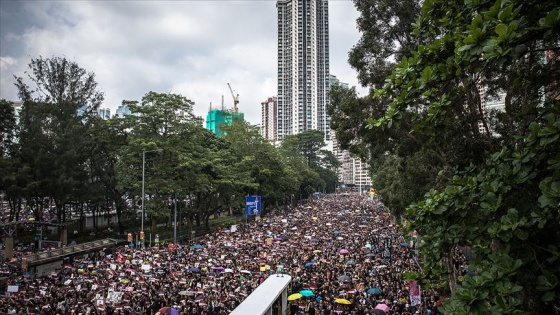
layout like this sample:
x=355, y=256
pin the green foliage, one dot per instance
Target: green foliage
x=386, y=28
x=491, y=176
x=317, y=169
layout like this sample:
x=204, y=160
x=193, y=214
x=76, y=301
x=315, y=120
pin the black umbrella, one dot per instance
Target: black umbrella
x=231, y=249
x=344, y=278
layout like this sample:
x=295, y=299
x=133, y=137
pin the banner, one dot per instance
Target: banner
x=13, y=288
x=415, y=297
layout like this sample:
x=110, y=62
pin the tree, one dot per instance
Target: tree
x=52, y=141
x=386, y=28
x=57, y=80
x=401, y=164
x=164, y=122
x=107, y=140
x=268, y=175
x=501, y=206
x=8, y=149
x=318, y=169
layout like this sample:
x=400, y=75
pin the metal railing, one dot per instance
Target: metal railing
x=35, y=259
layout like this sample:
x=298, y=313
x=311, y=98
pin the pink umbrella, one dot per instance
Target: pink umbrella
x=382, y=307
x=344, y=251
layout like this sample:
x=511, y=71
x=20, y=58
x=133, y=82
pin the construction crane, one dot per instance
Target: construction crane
x=235, y=98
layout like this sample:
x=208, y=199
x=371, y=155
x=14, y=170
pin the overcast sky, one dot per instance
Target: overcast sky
x=192, y=48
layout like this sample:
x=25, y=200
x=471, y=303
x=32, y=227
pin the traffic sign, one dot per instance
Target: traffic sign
x=253, y=205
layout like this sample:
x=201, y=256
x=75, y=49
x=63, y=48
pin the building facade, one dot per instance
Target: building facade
x=216, y=118
x=104, y=113
x=353, y=173
x=122, y=111
x=303, y=67
x=269, y=119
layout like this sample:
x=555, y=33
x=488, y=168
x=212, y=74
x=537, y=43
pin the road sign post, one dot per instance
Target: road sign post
x=252, y=206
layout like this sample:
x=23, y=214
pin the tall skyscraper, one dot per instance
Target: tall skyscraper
x=303, y=66
x=268, y=118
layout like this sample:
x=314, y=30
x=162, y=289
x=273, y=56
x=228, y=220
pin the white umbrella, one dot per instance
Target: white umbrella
x=228, y=270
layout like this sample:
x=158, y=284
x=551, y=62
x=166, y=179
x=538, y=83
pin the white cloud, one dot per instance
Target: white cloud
x=192, y=48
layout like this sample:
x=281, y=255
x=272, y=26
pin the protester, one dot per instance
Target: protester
x=343, y=249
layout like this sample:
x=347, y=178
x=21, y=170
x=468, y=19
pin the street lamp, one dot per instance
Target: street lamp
x=143, y=182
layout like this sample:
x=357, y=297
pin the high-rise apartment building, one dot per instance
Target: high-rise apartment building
x=104, y=113
x=303, y=67
x=268, y=118
x=122, y=111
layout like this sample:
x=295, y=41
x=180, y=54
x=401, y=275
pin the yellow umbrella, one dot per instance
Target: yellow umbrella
x=317, y=251
x=342, y=301
x=294, y=297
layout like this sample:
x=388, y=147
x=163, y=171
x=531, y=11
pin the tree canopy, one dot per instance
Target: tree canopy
x=59, y=154
x=491, y=176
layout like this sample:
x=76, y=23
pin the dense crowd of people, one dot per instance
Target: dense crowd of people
x=344, y=251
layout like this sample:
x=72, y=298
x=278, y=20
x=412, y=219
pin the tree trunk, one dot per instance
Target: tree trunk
x=207, y=222
x=119, y=204
x=448, y=261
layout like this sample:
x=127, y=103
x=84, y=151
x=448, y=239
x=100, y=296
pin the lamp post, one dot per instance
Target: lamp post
x=143, y=184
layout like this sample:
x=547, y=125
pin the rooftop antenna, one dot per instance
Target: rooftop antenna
x=210, y=106
x=222, y=102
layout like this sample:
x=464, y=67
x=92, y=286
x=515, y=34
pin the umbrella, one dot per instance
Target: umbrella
x=381, y=266
x=370, y=255
x=306, y=293
x=294, y=297
x=197, y=246
x=382, y=307
x=379, y=312
x=283, y=237
x=314, y=240
x=351, y=263
x=344, y=278
x=336, y=232
x=344, y=251
x=342, y=301
x=317, y=251
x=309, y=264
x=246, y=272
x=229, y=270
x=218, y=268
x=405, y=244
x=374, y=291
x=193, y=269
x=230, y=248
x=168, y=310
